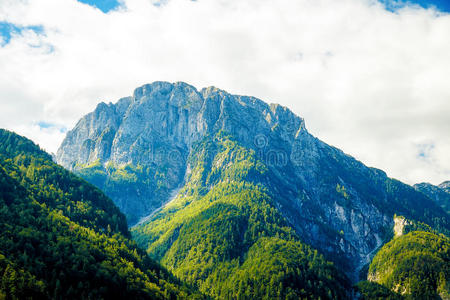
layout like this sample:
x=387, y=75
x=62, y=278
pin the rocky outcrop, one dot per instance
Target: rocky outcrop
x=334, y=202
x=445, y=186
x=399, y=226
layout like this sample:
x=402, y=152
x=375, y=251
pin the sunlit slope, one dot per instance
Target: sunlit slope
x=62, y=238
x=224, y=233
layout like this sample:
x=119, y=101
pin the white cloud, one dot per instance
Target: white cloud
x=371, y=82
x=48, y=137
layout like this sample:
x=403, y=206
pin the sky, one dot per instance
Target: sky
x=369, y=77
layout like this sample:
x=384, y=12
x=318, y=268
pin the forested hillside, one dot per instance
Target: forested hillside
x=415, y=265
x=224, y=234
x=62, y=238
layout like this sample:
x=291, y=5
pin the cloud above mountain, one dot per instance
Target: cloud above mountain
x=368, y=80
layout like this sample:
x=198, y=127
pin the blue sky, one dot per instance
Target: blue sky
x=442, y=5
x=103, y=5
x=7, y=29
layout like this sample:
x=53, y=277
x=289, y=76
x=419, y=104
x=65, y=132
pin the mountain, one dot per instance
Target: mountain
x=440, y=194
x=224, y=233
x=445, y=186
x=177, y=159
x=415, y=265
x=62, y=238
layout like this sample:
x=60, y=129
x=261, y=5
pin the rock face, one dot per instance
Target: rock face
x=445, y=186
x=137, y=149
x=440, y=194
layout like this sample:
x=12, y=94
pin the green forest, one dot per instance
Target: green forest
x=127, y=179
x=415, y=265
x=224, y=235
x=62, y=238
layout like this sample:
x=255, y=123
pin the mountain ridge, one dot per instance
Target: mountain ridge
x=140, y=147
x=111, y=119
x=438, y=193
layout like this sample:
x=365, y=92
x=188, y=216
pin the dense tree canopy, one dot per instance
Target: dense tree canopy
x=416, y=265
x=61, y=238
x=369, y=290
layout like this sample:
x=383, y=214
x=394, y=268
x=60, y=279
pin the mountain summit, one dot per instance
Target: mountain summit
x=153, y=131
x=171, y=142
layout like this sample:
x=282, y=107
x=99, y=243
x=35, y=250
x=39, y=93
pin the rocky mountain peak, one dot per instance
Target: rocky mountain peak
x=138, y=149
x=172, y=113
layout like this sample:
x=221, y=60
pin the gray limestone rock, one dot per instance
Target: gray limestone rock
x=334, y=202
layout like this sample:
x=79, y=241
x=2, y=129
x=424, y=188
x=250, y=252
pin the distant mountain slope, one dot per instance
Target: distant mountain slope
x=138, y=152
x=416, y=265
x=440, y=194
x=445, y=186
x=62, y=238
